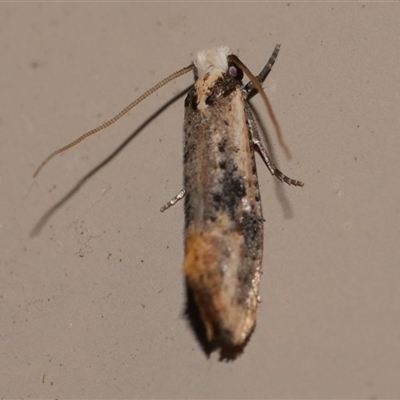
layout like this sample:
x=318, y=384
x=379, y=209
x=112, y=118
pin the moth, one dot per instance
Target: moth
x=223, y=231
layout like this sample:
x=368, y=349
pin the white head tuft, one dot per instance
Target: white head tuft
x=212, y=60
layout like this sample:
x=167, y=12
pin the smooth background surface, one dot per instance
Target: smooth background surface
x=92, y=306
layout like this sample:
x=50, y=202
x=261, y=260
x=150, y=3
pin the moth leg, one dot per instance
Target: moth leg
x=174, y=200
x=255, y=138
x=265, y=71
x=271, y=166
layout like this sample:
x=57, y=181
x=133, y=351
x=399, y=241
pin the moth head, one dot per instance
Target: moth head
x=212, y=60
x=216, y=60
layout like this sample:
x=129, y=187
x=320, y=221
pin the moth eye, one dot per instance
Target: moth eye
x=235, y=72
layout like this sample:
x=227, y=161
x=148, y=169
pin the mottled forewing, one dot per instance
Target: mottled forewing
x=223, y=216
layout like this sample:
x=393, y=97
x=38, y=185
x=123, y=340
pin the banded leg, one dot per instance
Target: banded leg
x=265, y=71
x=174, y=200
x=255, y=138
